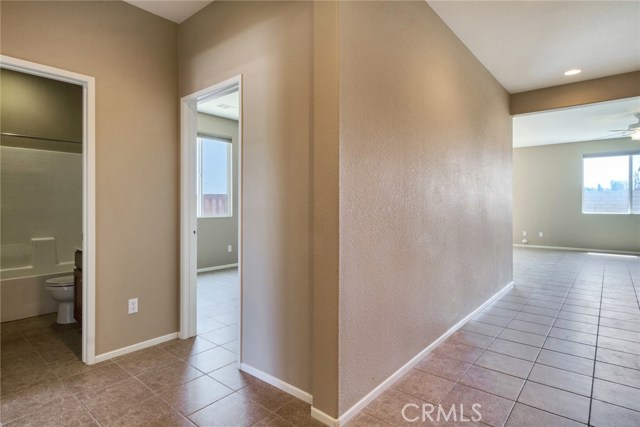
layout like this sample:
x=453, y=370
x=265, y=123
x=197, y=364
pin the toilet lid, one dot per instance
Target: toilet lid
x=60, y=281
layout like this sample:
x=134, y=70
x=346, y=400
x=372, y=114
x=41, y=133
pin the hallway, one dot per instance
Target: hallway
x=561, y=348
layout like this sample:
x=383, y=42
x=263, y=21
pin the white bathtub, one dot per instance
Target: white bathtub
x=23, y=297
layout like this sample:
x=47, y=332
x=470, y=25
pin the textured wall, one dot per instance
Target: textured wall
x=133, y=57
x=425, y=187
x=214, y=234
x=271, y=45
x=547, y=197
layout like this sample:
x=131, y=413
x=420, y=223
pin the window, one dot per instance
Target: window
x=611, y=184
x=214, y=177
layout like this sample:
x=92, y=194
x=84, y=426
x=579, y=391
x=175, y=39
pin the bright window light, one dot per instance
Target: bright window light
x=616, y=255
x=611, y=184
x=214, y=177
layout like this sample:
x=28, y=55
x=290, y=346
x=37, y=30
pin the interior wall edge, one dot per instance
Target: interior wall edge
x=620, y=86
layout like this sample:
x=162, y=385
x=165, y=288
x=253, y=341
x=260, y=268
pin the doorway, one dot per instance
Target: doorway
x=88, y=187
x=211, y=215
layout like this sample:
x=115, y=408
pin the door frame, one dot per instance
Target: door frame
x=88, y=189
x=188, y=204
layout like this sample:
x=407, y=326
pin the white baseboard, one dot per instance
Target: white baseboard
x=384, y=385
x=135, y=347
x=278, y=383
x=218, y=267
x=563, y=248
x=324, y=418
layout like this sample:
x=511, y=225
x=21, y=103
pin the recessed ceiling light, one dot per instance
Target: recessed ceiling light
x=572, y=72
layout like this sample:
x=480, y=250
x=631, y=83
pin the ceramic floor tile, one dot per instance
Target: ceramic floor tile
x=618, y=358
x=570, y=347
x=471, y=338
x=514, y=349
x=522, y=337
x=189, y=347
x=575, y=336
x=458, y=351
x=526, y=416
x=618, y=394
x=388, y=407
x=87, y=382
x=482, y=328
x=66, y=413
x=230, y=376
x=234, y=410
x=151, y=412
x=494, y=382
x=494, y=409
x=559, y=378
x=170, y=375
x=506, y=364
x=556, y=401
x=298, y=413
x=619, y=345
x=606, y=415
x=194, y=395
x=145, y=360
x=212, y=359
x=264, y=394
x=576, y=326
x=533, y=328
x=362, y=420
x=424, y=386
x=442, y=366
x=109, y=404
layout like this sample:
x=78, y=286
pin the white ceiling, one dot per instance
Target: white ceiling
x=585, y=123
x=530, y=44
x=226, y=106
x=175, y=10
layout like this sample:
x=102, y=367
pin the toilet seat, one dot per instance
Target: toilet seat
x=60, y=281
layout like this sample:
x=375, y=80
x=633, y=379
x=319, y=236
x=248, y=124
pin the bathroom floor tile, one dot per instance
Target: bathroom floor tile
x=526, y=416
x=442, y=366
x=424, y=386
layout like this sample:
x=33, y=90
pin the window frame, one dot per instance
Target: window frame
x=224, y=139
x=629, y=154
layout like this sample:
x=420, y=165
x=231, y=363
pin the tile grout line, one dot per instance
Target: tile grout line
x=547, y=336
x=595, y=355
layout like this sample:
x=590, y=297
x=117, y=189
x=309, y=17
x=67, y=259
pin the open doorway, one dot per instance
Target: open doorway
x=39, y=142
x=211, y=256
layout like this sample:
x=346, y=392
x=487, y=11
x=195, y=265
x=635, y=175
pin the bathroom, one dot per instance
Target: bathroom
x=41, y=209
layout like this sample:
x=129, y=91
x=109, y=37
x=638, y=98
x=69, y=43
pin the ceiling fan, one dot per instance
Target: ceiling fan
x=633, y=130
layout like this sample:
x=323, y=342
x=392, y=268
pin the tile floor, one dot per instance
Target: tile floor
x=561, y=348
x=179, y=383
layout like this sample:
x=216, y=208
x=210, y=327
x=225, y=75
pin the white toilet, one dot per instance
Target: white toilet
x=61, y=290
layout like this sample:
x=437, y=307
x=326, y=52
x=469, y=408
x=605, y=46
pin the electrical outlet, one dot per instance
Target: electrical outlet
x=524, y=233
x=133, y=305
x=229, y=248
x=540, y=234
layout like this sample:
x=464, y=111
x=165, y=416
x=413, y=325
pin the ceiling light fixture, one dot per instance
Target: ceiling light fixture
x=572, y=72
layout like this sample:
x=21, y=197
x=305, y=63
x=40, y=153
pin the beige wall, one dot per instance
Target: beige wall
x=425, y=187
x=133, y=57
x=547, y=197
x=271, y=45
x=620, y=86
x=214, y=234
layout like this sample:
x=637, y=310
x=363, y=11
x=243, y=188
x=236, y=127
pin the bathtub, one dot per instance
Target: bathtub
x=23, y=297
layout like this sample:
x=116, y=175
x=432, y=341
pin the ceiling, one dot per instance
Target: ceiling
x=175, y=10
x=584, y=123
x=530, y=44
x=226, y=106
